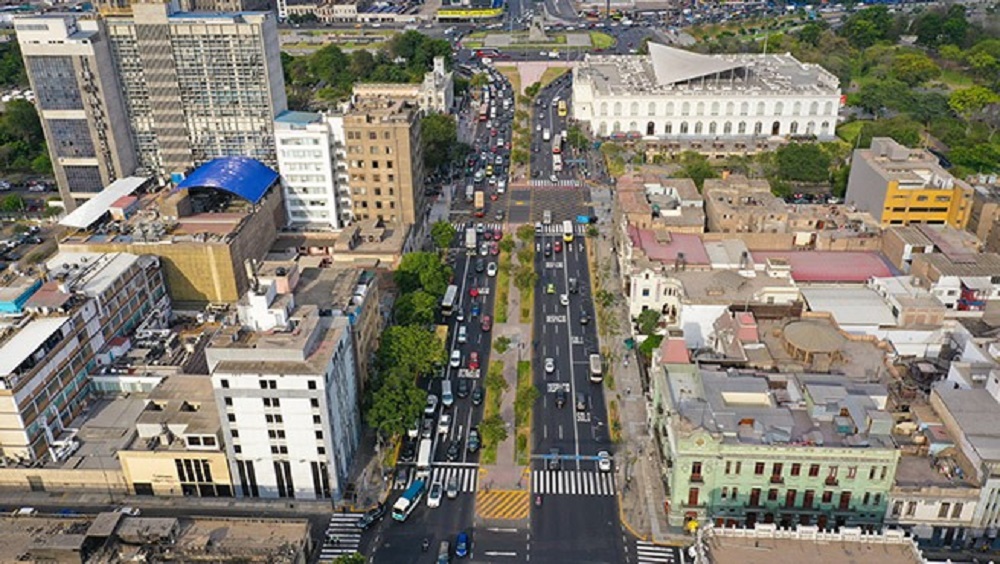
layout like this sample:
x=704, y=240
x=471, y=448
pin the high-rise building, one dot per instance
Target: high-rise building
x=125, y=6
x=80, y=103
x=194, y=86
x=385, y=160
x=313, y=167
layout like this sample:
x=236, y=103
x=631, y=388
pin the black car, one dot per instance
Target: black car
x=371, y=517
x=477, y=396
x=454, y=449
x=480, y=265
x=407, y=453
x=584, y=318
x=462, y=390
x=473, y=442
x=560, y=397
x=574, y=287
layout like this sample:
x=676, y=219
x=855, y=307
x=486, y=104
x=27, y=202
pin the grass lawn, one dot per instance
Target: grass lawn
x=849, y=131
x=551, y=74
x=513, y=76
x=600, y=40
x=491, y=407
x=503, y=288
x=616, y=423
x=954, y=79
x=523, y=423
x=527, y=299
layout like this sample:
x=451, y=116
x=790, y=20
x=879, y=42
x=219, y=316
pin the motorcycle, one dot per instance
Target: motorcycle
x=538, y=501
x=425, y=545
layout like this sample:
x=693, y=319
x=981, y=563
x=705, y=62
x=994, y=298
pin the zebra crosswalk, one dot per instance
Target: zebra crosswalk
x=467, y=476
x=572, y=482
x=563, y=182
x=342, y=537
x=461, y=226
x=649, y=553
x=553, y=229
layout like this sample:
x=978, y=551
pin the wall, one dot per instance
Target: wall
x=158, y=468
x=68, y=480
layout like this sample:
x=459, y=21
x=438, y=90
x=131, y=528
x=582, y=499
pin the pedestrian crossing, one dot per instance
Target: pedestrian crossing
x=467, y=476
x=461, y=226
x=342, y=537
x=649, y=553
x=563, y=182
x=572, y=482
x=578, y=228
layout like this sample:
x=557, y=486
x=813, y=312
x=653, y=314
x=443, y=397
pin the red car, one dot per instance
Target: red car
x=493, y=132
x=494, y=196
x=494, y=249
x=474, y=360
x=557, y=247
x=487, y=323
x=498, y=234
x=487, y=235
x=474, y=292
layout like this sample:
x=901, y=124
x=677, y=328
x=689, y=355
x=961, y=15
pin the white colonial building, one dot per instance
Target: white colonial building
x=676, y=94
x=310, y=148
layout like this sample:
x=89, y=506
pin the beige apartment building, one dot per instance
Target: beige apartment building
x=737, y=204
x=385, y=160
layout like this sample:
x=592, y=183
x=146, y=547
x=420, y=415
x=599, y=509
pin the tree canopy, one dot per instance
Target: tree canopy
x=443, y=233
x=803, y=162
x=416, y=308
x=397, y=404
x=423, y=271
x=647, y=321
x=411, y=349
x=439, y=138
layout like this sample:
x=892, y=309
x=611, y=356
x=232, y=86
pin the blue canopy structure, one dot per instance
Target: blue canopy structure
x=245, y=177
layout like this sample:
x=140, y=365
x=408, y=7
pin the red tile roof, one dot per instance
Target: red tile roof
x=829, y=266
x=667, y=251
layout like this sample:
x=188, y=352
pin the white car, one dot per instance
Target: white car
x=456, y=358
x=604, y=461
x=444, y=423
x=432, y=404
x=550, y=365
x=434, y=495
x=564, y=299
x=130, y=511
x=491, y=269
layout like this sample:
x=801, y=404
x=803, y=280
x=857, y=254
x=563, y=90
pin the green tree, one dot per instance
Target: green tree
x=803, y=162
x=506, y=245
x=20, y=121
x=438, y=134
x=914, y=68
x=532, y=90
x=494, y=380
x=904, y=130
x=651, y=343
x=525, y=277
x=811, y=33
x=12, y=203
x=479, y=80
x=423, y=271
x=696, y=167
x=395, y=404
x=525, y=233
x=42, y=164
x=443, y=233
x=648, y=321
x=12, y=73
x=493, y=429
x=410, y=348
x=527, y=395
x=352, y=558
x=969, y=100
x=576, y=138
x=519, y=156
x=416, y=308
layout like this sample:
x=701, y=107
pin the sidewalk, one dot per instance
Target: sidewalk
x=641, y=490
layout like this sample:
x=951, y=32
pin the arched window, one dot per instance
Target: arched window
x=760, y=108
x=715, y=108
x=730, y=108
x=684, y=128
x=650, y=128
x=742, y=128
x=603, y=129
x=758, y=128
x=778, y=108
x=828, y=108
x=697, y=128
x=776, y=128
x=711, y=128
x=727, y=128
x=745, y=108
x=794, y=128
x=811, y=128
x=825, y=128
x=617, y=127
x=633, y=126
x=669, y=128
x=700, y=109
x=604, y=109
x=797, y=108
x=686, y=108
x=618, y=109
x=670, y=109
x=652, y=109
x=634, y=108
x=813, y=108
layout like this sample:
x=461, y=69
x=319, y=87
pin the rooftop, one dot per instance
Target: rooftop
x=277, y=540
x=850, y=306
x=982, y=264
x=829, y=266
x=20, y=534
x=665, y=247
x=975, y=413
x=92, y=210
x=727, y=548
x=725, y=286
x=910, y=168
x=857, y=359
x=185, y=404
x=298, y=118
x=245, y=177
x=340, y=289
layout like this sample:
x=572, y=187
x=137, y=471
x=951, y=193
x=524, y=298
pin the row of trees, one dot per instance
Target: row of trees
x=410, y=348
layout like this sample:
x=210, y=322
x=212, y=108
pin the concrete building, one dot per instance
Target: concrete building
x=287, y=398
x=80, y=103
x=436, y=94
x=364, y=243
x=787, y=449
x=223, y=214
x=737, y=204
x=899, y=186
x=120, y=7
x=985, y=214
x=677, y=94
x=763, y=544
x=385, y=162
x=313, y=166
x=88, y=299
x=962, y=281
x=649, y=201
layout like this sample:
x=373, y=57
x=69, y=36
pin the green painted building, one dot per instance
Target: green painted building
x=790, y=449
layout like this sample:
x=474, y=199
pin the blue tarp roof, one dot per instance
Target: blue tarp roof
x=245, y=177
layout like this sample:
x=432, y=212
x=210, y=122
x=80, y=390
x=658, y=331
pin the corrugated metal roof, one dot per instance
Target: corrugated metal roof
x=245, y=177
x=92, y=210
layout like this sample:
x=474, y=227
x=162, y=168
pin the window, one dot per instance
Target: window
x=739, y=466
x=772, y=494
x=871, y=473
x=224, y=383
x=911, y=508
x=237, y=449
x=852, y=472
x=645, y=292
x=319, y=435
x=866, y=498
x=693, y=496
x=943, y=510
x=314, y=402
x=776, y=470
x=235, y=433
x=320, y=450
x=790, y=498
x=796, y=469
x=725, y=492
x=228, y=401
x=758, y=469
x=882, y=476
x=268, y=384
x=317, y=420
x=956, y=511
x=827, y=497
x=728, y=466
x=696, y=468
x=878, y=499
x=231, y=417
x=311, y=384
x=808, y=498
x=897, y=509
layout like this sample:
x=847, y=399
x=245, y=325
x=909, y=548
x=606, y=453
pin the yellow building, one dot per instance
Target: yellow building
x=899, y=186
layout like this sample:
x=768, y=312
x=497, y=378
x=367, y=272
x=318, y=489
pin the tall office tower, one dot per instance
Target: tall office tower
x=313, y=169
x=384, y=160
x=109, y=7
x=80, y=103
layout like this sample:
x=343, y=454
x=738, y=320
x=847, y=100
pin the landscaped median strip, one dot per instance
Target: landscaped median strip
x=527, y=395
x=492, y=429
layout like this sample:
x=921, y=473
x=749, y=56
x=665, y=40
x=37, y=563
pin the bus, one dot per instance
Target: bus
x=557, y=163
x=556, y=144
x=470, y=239
x=562, y=108
x=568, y=231
x=424, y=456
x=479, y=205
x=596, y=369
x=408, y=501
x=484, y=111
x=448, y=302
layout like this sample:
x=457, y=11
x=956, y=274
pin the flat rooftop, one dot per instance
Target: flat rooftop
x=665, y=247
x=830, y=266
x=725, y=286
x=850, y=306
x=242, y=537
x=19, y=534
x=107, y=427
x=737, y=550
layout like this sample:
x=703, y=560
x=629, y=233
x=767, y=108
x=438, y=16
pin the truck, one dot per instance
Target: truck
x=470, y=191
x=480, y=204
x=424, y=455
x=408, y=501
x=470, y=241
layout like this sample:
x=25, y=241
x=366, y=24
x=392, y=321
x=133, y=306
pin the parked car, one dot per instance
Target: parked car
x=604, y=461
x=371, y=517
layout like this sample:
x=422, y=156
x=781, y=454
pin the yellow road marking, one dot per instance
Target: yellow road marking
x=503, y=504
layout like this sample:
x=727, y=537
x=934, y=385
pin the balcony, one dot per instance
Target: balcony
x=832, y=481
x=697, y=479
x=777, y=480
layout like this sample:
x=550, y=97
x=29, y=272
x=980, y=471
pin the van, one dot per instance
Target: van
x=444, y=553
x=463, y=334
x=581, y=401
x=446, y=396
x=547, y=217
x=25, y=512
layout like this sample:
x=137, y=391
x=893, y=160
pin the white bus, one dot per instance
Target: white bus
x=424, y=455
x=557, y=163
x=568, y=231
x=448, y=302
x=596, y=369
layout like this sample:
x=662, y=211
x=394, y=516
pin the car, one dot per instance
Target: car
x=550, y=288
x=480, y=228
x=474, y=293
x=444, y=553
x=434, y=495
x=474, y=360
x=491, y=269
x=487, y=235
x=548, y=249
x=584, y=318
x=402, y=477
x=498, y=235
x=456, y=358
x=554, y=179
x=484, y=249
x=407, y=453
x=494, y=249
x=604, y=461
x=460, y=316
x=477, y=396
x=494, y=196
x=444, y=423
x=462, y=545
x=472, y=443
x=130, y=511
x=557, y=246
x=431, y=406
x=427, y=428
x=554, y=459
x=550, y=365
x=480, y=266
x=486, y=324
x=414, y=431
x=370, y=517
x=451, y=486
x=462, y=390
x=37, y=188
x=454, y=449
x=560, y=397
x=564, y=299
x=499, y=215
x=499, y=160
x=538, y=126
x=493, y=132
x=574, y=286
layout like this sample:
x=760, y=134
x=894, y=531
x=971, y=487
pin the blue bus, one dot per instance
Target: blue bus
x=409, y=500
